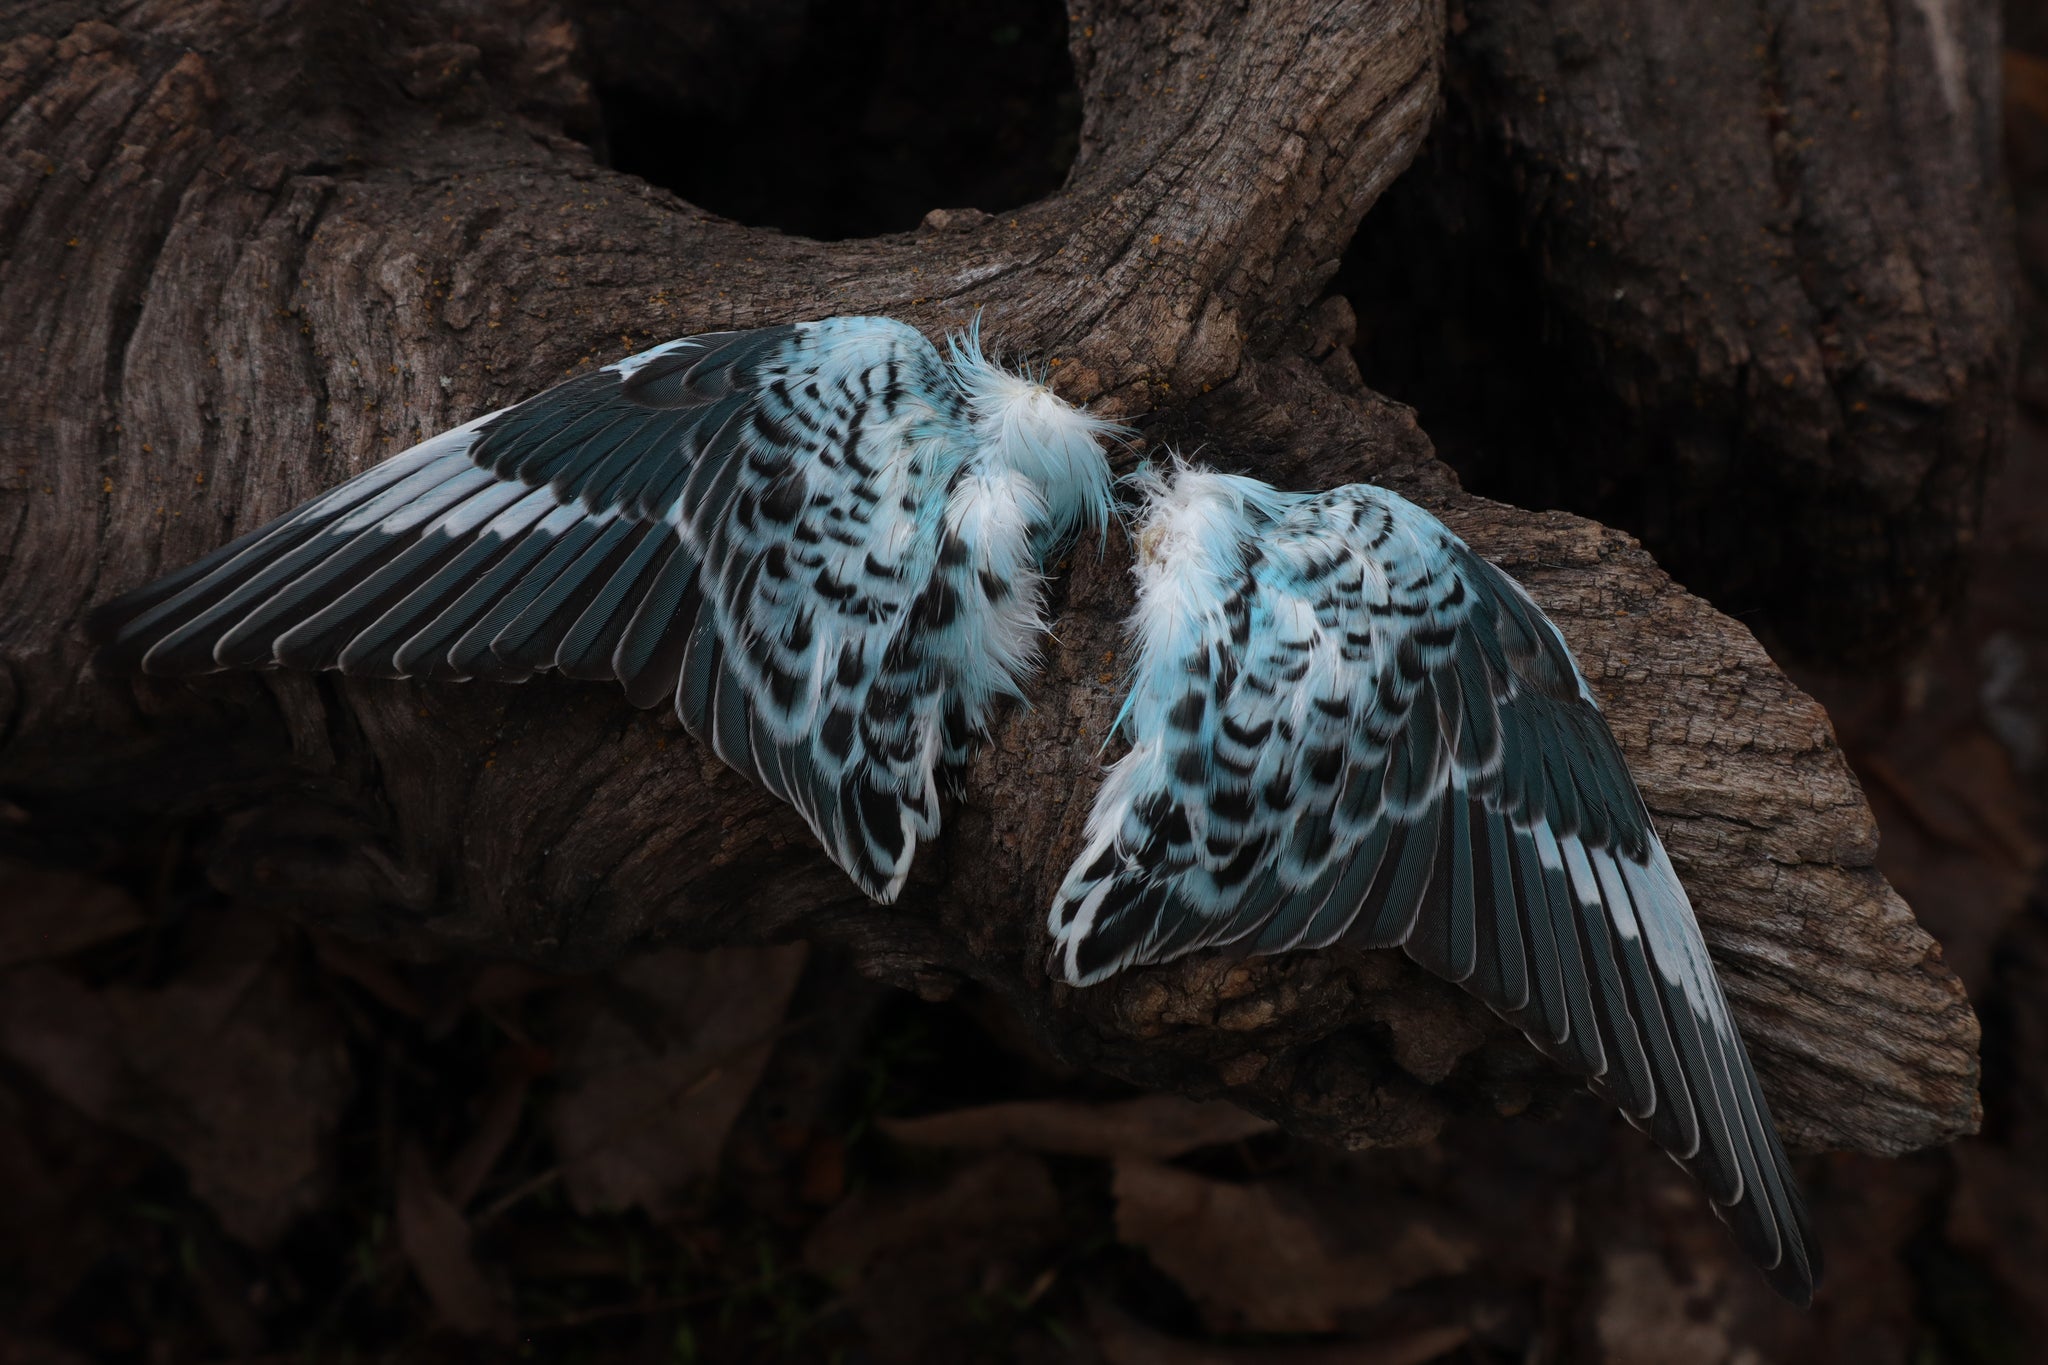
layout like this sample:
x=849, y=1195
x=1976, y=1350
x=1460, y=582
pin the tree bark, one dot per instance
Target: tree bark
x=1748, y=268
x=257, y=248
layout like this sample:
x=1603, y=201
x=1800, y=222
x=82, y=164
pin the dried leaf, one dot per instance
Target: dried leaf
x=1645, y=1317
x=61, y=1176
x=1123, y=1340
x=999, y=1192
x=51, y=913
x=665, y=1055
x=1961, y=830
x=229, y=1067
x=435, y=1238
x=1153, y=1126
x=922, y=1265
x=1260, y=1257
x=372, y=971
x=2000, y=1216
x=494, y=1130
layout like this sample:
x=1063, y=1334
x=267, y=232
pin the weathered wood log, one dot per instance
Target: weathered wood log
x=1748, y=271
x=244, y=262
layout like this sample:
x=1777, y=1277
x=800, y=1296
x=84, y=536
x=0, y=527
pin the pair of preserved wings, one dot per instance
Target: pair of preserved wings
x=820, y=543
x=1347, y=726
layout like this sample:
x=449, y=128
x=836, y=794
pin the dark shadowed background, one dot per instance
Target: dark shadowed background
x=759, y=1154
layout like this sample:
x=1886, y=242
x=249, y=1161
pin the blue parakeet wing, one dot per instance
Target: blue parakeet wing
x=820, y=542
x=1345, y=725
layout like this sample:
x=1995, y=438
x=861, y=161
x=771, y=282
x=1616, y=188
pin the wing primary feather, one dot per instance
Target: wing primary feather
x=380, y=648
x=470, y=655
x=1747, y=1211
x=1627, y=1076
x=194, y=643
x=1674, y=1124
x=1547, y=1017
x=251, y=641
x=130, y=628
x=320, y=639
x=731, y=730
x=1447, y=943
x=1501, y=977
x=1696, y=1013
x=1325, y=920
x=1738, y=1157
x=587, y=647
x=649, y=658
x=1391, y=908
x=456, y=643
x=1796, y=1267
x=124, y=626
x=1588, y=1045
x=533, y=638
x=317, y=639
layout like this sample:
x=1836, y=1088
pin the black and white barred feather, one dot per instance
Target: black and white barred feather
x=821, y=543
x=1347, y=726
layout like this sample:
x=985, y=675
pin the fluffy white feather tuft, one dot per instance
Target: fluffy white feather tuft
x=992, y=512
x=1026, y=427
x=1191, y=544
x=1198, y=523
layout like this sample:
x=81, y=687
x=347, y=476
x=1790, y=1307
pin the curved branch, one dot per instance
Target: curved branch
x=232, y=301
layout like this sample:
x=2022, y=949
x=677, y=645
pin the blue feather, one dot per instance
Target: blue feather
x=1346, y=725
x=823, y=543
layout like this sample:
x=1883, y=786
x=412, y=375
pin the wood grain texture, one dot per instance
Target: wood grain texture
x=1770, y=282
x=256, y=248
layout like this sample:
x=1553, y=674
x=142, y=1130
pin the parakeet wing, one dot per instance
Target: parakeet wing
x=783, y=531
x=1347, y=725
